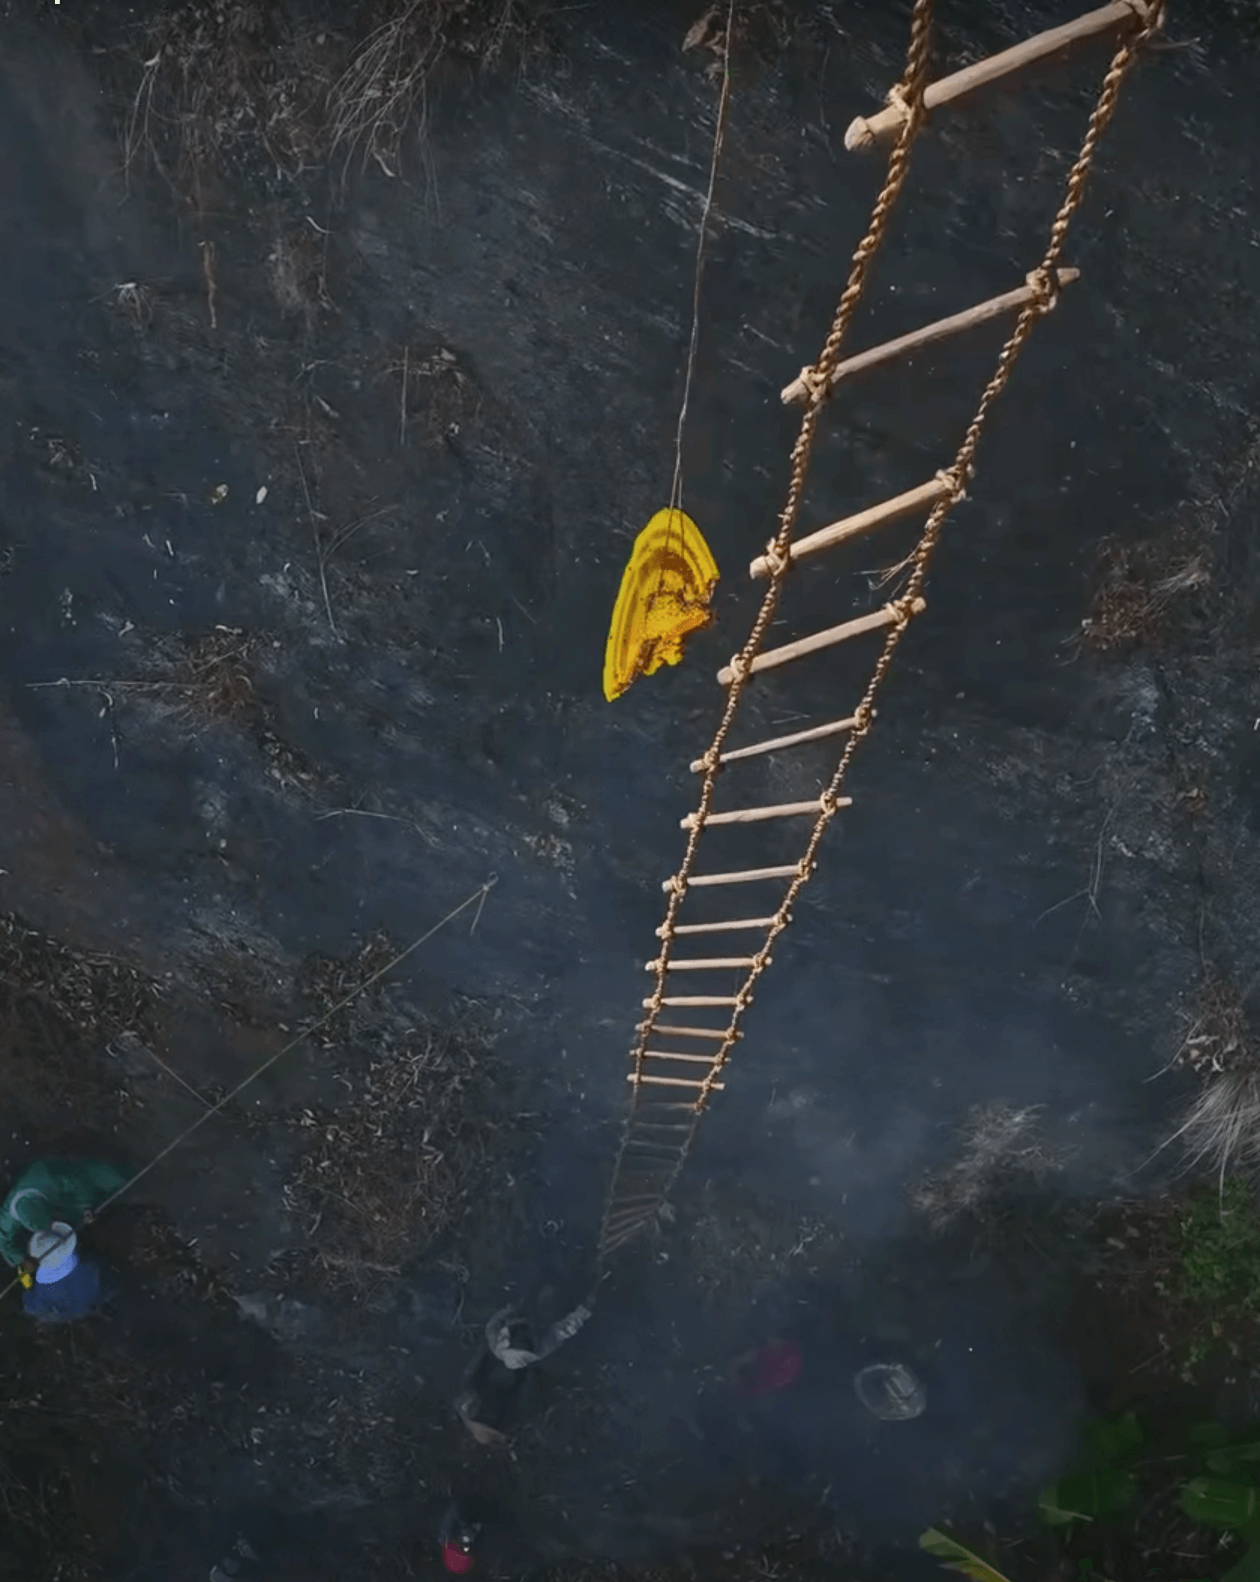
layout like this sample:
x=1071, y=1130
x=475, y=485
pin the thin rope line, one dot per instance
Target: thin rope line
x=478, y=895
x=719, y=138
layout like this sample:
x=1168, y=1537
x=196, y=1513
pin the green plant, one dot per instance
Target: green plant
x=1220, y=1252
x=957, y=1557
x=1215, y=1485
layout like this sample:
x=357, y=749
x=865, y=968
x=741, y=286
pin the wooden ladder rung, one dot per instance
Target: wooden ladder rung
x=702, y=964
x=656, y=1190
x=816, y=733
x=669, y=1054
x=640, y=1081
x=727, y=926
x=798, y=392
x=694, y=999
x=759, y=815
x=916, y=499
x=717, y=1033
x=773, y=657
x=613, y=1240
x=660, y=1126
x=738, y=876
x=865, y=131
x=617, y=1222
x=621, y=1227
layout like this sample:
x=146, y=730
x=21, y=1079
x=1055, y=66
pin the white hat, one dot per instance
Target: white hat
x=890, y=1390
x=52, y=1247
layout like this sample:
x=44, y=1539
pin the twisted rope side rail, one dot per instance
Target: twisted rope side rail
x=626, y=1215
x=912, y=86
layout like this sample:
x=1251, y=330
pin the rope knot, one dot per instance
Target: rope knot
x=903, y=98
x=903, y=610
x=777, y=560
x=1044, y=285
x=828, y=804
x=711, y=761
x=955, y=480
x=678, y=885
x=816, y=387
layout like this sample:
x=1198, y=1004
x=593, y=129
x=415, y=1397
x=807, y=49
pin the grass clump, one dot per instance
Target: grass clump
x=1220, y=1128
x=999, y=1147
x=223, y=77
x=1220, y=1254
x=383, y=86
x=1141, y=591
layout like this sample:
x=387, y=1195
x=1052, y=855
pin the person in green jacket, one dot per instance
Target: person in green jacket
x=65, y=1190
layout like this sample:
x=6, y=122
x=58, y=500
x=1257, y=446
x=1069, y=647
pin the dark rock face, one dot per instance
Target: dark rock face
x=399, y=477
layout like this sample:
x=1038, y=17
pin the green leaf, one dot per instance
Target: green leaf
x=1210, y=1434
x=1216, y=1502
x=1235, y=1459
x=1083, y=1495
x=1113, y=1439
x=1050, y=1509
x=958, y=1557
x=1247, y=1569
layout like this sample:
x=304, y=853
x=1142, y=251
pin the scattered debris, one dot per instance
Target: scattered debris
x=738, y=1247
x=393, y=1169
x=298, y=269
x=437, y=396
x=1138, y=585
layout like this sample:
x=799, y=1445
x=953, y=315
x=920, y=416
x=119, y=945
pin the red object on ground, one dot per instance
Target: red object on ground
x=456, y=1560
x=774, y=1368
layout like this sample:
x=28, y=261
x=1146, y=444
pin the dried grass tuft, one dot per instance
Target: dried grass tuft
x=1137, y=586
x=221, y=76
x=999, y=1144
x=1221, y=1128
x=1219, y=1131
x=372, y=103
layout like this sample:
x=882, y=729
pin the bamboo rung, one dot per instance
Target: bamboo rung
x=798, y=391
x=613, y=1241
x=773, y=657
x=694, y=999
x=669, y=1054
x=702, y=964
x=660, y=1126
x=759, y=815
x=670, y=1082
x=717, y=1033
x=816, y=733
x=622, y=1227
x=737, y=876
x=619, y=1224
x=728, y=926
x=865, y=131
x=917, y=499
